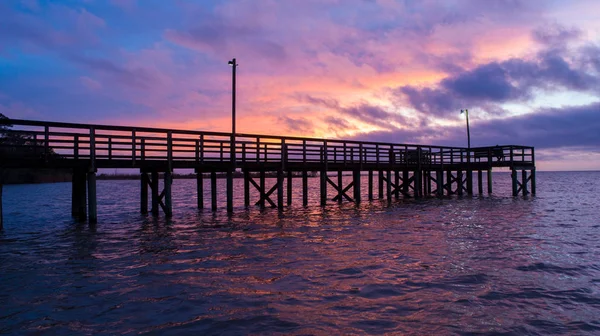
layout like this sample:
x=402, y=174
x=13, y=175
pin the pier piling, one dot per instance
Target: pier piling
x=304, y=188
x=155, y=194
x=200, y=190
x=168, y=183
x=229, y=191
x=92, y=201
x=144, y=193
x=213, y=190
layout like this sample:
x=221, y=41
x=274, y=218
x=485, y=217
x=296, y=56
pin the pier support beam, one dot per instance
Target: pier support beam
x=280, y=189
x=92, y=201
x=323, y=180
x=155, y=196
x=489, y=180
x=439, y=176
x=469, y=182
x=459, y=181
x=1, y=213
x=340, y=186
x=200, y=190
x=513, y=175
x=261, y=200
x=79, y=195
x=418, y=182
x=405, y=182
x=356, y=187
x=246, y=188
x=480, y=182
x=380, y=182
x=524, y=182
x=304, y=188
x=144, y=193
x=213, y=190
x=370, y=185
x=168, y=181
x=533, y=181
x=388, y=186
x=229, y=190
x=289, y=187
x=397, y=181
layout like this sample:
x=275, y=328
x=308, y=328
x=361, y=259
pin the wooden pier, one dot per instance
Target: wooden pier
x=404, y=170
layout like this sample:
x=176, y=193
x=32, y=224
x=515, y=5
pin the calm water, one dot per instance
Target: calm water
x=453, y=266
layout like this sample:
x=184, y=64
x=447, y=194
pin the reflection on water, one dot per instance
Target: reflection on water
x=482, y=265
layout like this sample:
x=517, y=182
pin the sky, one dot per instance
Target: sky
x=397, y=71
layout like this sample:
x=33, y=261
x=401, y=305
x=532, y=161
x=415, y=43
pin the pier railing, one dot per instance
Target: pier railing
x=35, y=140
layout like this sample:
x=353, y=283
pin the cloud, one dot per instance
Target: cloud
x=514, y=80
x=567, y=127
x=301, y=125
x=556, y=35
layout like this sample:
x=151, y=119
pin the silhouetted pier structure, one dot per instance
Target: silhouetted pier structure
x=404, y=170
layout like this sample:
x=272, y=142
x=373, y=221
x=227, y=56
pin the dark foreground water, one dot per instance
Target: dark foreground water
x=453, y=266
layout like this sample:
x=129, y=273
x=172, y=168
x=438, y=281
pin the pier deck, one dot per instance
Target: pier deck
x=418, y=170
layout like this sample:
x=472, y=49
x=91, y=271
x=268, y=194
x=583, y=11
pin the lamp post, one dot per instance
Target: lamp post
x=233, y=65
x=466, y=112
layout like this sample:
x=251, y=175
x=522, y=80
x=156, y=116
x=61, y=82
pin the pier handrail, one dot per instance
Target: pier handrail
x=137, y=144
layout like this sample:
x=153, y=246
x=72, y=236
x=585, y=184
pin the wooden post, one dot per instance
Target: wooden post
x=514, y=181
x=230, y=189
x=144, y=193
x=200, y=189
x=280, y=189
x=489, y=180
x=289, y=187
x=304, y=188
x=246, y=188
x=480, y=182
x=356, y=186
x=168, y=177
x=405, y=182
x=524, y=179
x=370, y=185
x=213, y=190
x=533, y=181
x=417, y=183
x=460, y=180
x=75, y=190
x=323, y=182
x=470, y=182
x=397, y=180
x=92, y=202
x=340, y=186
x=449, y=179
x=440, y=182
x=81, y=196
x=380, y=182
x=389, y=186
x=1, y=214
x=155, y=193
x=261, y=201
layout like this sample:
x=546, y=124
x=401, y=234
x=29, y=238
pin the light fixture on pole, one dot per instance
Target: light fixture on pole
x=233, y=65
x=466, y=112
